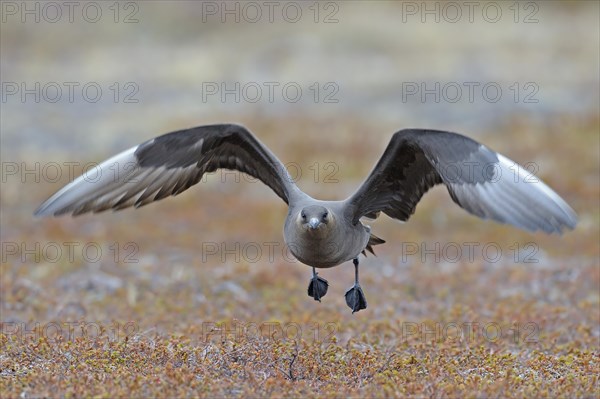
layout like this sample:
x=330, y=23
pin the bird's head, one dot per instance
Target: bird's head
x=314, y=217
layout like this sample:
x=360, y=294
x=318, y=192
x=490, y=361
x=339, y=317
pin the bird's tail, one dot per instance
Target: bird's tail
x=373, y=240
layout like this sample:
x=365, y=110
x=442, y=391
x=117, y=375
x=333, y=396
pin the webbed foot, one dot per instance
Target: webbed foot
x=317, y=288
x=355, y=298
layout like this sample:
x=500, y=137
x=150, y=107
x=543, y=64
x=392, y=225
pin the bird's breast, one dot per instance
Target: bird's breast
x=323, y=249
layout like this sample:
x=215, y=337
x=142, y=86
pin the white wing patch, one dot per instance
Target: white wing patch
x=88, y=184
x=118, y=183
x=517, y=197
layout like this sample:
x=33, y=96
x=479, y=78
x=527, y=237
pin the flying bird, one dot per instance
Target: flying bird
x=324, y=234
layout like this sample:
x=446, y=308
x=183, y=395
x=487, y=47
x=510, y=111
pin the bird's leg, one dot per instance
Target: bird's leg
x=355, y=298
x=317, y=288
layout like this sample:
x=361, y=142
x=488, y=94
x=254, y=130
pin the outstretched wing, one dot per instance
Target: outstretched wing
x=168, y=165
x=478, y=179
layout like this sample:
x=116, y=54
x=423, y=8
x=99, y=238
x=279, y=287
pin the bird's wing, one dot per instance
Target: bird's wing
x=168, y=165
x=478, y=179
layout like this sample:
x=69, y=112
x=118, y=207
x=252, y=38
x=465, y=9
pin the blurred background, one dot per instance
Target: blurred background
x=324, y=85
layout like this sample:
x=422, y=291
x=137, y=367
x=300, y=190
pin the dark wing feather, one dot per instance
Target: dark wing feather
x=478, y=179
x=168, y=165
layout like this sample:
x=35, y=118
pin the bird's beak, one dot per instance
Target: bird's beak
x=313, y=223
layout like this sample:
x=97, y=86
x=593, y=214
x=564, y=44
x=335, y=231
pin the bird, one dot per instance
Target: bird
x=324, y=234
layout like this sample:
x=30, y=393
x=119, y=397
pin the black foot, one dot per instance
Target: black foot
x=355, y=298
x=317, y=288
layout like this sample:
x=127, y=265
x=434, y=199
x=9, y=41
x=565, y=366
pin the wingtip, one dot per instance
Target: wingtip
x=47, y=210
x=568, y=227
x=43, y=213
x=560, y=228
x=569, y=221
x=39, y=212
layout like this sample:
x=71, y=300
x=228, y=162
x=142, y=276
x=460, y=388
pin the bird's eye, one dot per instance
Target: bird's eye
x=303, y=215
x=325, y=215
